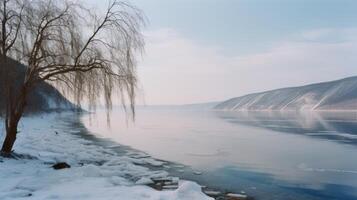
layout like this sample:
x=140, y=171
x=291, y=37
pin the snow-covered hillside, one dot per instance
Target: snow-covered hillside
x=336, y=95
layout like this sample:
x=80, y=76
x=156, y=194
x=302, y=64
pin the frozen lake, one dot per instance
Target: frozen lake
x=267, y=155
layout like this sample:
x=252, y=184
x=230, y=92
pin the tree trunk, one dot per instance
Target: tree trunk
x=9, y=139
x=12, y=121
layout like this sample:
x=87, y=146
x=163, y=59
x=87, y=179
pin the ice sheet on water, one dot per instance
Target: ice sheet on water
x=96, y=172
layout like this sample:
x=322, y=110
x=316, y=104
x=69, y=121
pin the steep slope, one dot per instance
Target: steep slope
x=43, y=98
x=334, y=95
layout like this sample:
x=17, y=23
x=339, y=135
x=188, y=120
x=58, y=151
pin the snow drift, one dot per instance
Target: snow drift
x=97, y=171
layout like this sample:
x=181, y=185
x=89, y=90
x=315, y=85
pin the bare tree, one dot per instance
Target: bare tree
x=11, y=18
x=85, y=55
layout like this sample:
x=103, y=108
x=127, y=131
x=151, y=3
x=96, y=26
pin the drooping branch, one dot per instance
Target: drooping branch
x=86, y=55
x=82, y=53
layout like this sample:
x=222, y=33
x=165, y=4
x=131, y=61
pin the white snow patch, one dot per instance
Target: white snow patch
x=144, y=181
x=96, y=172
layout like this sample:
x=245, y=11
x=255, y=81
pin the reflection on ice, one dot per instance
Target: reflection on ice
x=337, y=126
x=299, y=155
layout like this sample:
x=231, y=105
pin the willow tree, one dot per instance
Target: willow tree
x=85, y=55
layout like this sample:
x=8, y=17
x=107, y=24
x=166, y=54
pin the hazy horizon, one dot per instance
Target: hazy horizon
x=206, y=51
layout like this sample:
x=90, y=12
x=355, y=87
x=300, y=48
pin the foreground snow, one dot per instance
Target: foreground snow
x=97, y=172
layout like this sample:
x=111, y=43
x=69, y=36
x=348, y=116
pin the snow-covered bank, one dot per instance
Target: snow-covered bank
x=97, y=172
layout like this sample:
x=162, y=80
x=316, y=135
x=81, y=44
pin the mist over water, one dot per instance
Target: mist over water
x=269, y=155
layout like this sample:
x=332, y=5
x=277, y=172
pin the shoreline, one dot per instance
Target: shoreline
x=174, y=169
x=103, y=170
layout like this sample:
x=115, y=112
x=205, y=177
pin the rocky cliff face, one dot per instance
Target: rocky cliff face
x=339, y=95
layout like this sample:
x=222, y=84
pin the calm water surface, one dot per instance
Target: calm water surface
x=268, y=155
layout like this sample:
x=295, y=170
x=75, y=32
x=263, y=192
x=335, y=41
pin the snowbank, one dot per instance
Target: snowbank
x=97, y=172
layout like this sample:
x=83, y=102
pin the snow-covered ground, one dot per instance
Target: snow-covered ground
x=97, y=172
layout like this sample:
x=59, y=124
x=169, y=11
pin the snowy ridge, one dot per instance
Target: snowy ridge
x=97, y=172
x=339, y=95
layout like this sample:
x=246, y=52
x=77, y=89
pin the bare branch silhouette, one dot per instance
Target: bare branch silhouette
x=85, y=55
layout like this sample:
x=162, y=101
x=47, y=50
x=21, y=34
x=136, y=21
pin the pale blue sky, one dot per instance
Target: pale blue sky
x=207, y=50
x=247, y=25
